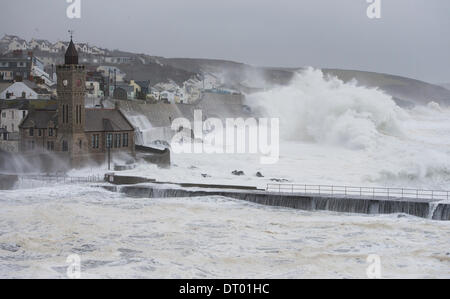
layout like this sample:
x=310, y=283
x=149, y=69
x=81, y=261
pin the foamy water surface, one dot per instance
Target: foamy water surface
x=212, y=237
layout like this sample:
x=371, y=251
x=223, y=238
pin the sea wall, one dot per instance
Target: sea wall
x=419, y=208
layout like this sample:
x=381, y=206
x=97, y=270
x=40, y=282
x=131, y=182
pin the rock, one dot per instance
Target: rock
x=239, y=173
x=259, y=175
x=205, y=175
x=10, y=247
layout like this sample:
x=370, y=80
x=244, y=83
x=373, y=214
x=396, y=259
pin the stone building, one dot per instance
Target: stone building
x=72, y=132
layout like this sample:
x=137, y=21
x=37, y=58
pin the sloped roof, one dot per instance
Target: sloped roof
x=99, y=120
x=14, y=104
x=40, y=119
x=4, y=86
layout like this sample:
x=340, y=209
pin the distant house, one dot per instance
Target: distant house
x=136, y=87
x=82, y=47
x=19, y=90
x=123, y=92
x=144, y=89
x=97, y=51
x=11, y=116
x=40, y=44
x=24, y=90
x=18, y=44
x=18, y=62
x=167, y=96
x=93, y=89
x=118, y=60
x=60, y=46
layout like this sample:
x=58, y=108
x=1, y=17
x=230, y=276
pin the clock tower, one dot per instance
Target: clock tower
x=71, y=109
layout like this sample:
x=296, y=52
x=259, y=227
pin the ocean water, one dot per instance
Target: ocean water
x=208, y=237
x=331, y=132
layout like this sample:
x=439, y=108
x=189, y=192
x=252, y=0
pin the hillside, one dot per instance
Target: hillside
x=405, y=91
x=445, y=85
x=244, y=77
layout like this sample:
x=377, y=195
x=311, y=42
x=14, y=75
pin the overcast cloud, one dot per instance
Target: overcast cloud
x=412, y=38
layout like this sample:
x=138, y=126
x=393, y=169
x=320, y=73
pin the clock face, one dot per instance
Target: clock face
x=65, y=82
x=78, y=82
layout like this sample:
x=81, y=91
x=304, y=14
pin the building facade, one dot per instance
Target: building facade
x=72, y=132
x=19, y=63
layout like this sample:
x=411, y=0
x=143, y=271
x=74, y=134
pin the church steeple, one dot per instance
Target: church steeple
x=71, y=56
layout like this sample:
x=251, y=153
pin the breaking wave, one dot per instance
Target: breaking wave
x=327, y=110
x=385, y=144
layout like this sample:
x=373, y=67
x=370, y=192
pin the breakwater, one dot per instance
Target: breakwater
x=424, y=208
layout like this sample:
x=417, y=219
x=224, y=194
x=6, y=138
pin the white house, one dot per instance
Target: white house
x=40, y=44
x=84, y=48
x=60, y=46
x=97, y=51
x=17, y=45
x=18, y=90
x=93, y=89
x=10, y=119
x=167, y=96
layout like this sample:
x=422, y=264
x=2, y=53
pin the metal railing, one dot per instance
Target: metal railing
x=366, y=192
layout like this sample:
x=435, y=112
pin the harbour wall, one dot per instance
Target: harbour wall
x=416, y=207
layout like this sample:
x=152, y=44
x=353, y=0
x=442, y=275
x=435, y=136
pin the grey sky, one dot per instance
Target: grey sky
x=412, y=38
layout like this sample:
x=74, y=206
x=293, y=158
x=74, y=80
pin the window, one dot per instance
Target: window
x=24, y=113
x=39, y=132
x=12, y=127
x=117, y=140
x=125, y=139
x=65, y=114
x=80, y=143
x=65, y=146
x=12, y=114
x=50, y=146
x=4, y=114
x=50, y=132
x=31, y=132
x=95, y=139
x=108, y=140
x=24, y=94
